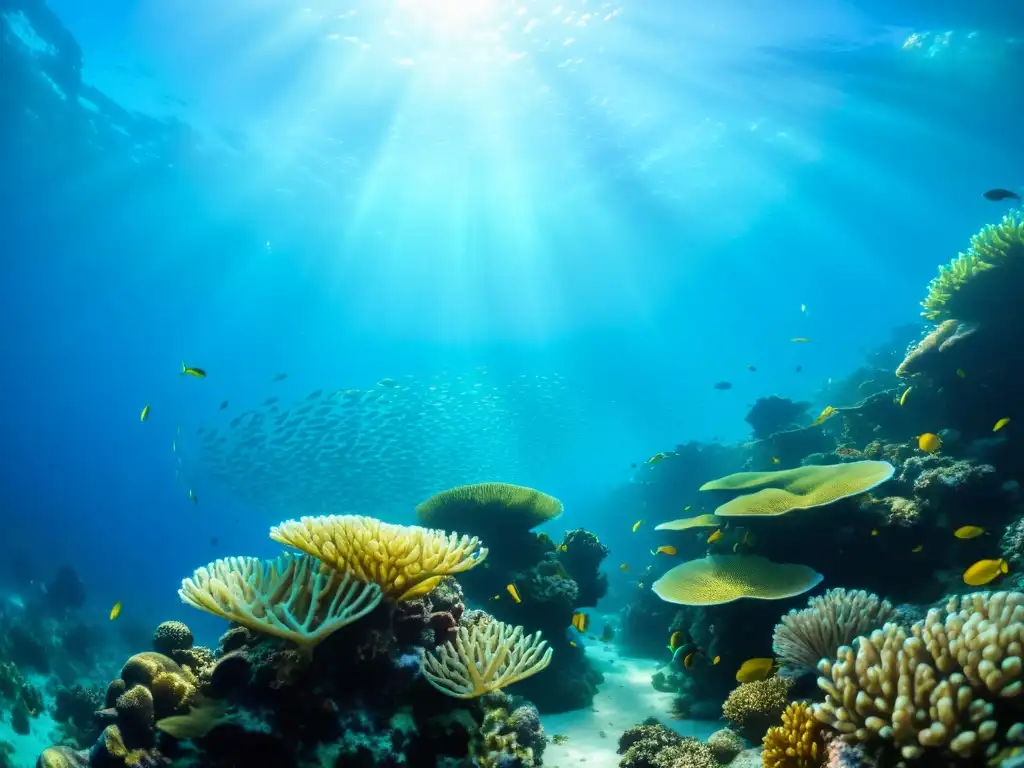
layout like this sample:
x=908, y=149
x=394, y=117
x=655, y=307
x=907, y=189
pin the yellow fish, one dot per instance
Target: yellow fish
x=640, y=585
x=960, y=373
x=145, y=413
x=563, y=547
x=968, y=531
x=800, y=340
x=581, y=621
x=715, y=536
x=903, y=397
x=667, y=549
x=874, y=532
x=755, y=669
x=677, y=639
x=513, y=592
x=918, y=548
x=636, y=525
x=775, y=459
x=656, y=458
x=716, y=659
x=624, y=567
x=573, y=644
x=929, y=442
x=192, y=497
x=999, y=424
x=687, y=507
x=199, y=373
x=984, y=571
x=115, y=611
x=688, y=659
x=825, y=414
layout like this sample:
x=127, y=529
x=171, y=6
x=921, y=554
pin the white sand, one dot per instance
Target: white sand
x=624, y=699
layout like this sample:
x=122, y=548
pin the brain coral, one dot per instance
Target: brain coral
x=798, y=488
x=949, y=689
x=406, y=561
x=805, y=637
x=717, y=579
x=488, y=508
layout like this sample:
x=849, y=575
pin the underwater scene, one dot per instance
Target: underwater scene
x=512, y=384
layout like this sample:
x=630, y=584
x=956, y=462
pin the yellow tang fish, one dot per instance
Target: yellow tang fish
x=929, y=442
x=573, y=644
x=636, y=525
x=667, y=549
x=800, y=340
x=825, y=414
x=968, y=531
x=903, y=397
x=755, y=669
x=999, y=424
x=715, y=536
x=115, y=611
x=145, y=413
x=581, y=621
x=677, y=639
x=563, y=547
x=984, y=571
x=199, y=373
x=513, y=592
x=716, y=659
x=688, y=659
x=918, y=548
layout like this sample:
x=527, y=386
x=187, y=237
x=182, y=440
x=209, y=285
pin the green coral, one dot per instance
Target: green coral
x=956, y=292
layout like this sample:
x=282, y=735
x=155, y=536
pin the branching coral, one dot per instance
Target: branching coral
x=796, y=743
x=951, y=685
x=485, y=658
x=753, y=707
x=293, y=597
x=805, y=637
x=406, y=561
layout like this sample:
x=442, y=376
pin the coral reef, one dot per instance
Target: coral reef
x=753, y=707
x=725, y=744
x=652, y=745
x=773, y=414
x=797, y=743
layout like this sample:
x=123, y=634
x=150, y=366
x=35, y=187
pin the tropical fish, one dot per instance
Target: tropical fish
x=903, y=397
x=751, y=368
x=581, y=621
x=280, y=377
x=775, y=460
x=562, y=547
x=716, y=660
x=199, y=373
x=624, y=567
x=639, y=585
x=984, y=571
x=199, y=721
x=799, y=369
x=675, y=640
x=224, y=405
x=800, y=340
x=929, y=442
x=145, y=413
x=115, y=611
x=874, y=532
x=715, y=536
x=996, y=195
x=918, y=548
x=666, y=549
x=968, y=531
x=636, y=525
x=999, y=424
x=744, y=543
x=960, y=373
x=755, y=669
x=192, y=497
x=825, y=414
x=687, y=507
x=513, y=593
x=723, y=385
x=657, y=457
x=573, y=644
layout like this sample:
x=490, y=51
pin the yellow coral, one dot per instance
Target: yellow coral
x=294, y=597
x=717, y=579
x=950, y=292
x=484, y=658
x=797, y=743
x=406, y=561
x=798, y=488
x=752, y=707
x=700, y=521
x=488, y=506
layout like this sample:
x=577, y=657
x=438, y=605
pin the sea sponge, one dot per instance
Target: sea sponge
x=798, y=488
x=797, y=743
x=485, y=658
x=717, y=579
x=406, y=561
x=960, y=289
x=725, y=744
x=805, y=637
x=172, y=636
x=950, y=687
x=487, y=508
x=752, y=707
x=294, y=597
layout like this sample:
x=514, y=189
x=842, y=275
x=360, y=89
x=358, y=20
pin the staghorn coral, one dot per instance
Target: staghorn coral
x=725, y=744
x=717, y=579
x=406, y=561
x=172, y=636
x=752, y=707
x=292, y=597
x=488, y=508
x=804, y=637
x=949, y=687
x=797, y=743
x=485, y=658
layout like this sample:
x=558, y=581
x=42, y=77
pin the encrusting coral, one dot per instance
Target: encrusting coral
x=406, y=561
x=485, y=658
x=806, y=636
x=949, y=687
x=752, y=707
x=797, y=743
x=717, y=579
x=294, y=597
